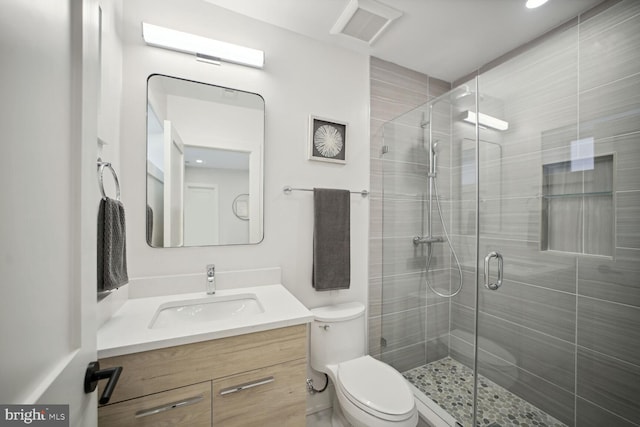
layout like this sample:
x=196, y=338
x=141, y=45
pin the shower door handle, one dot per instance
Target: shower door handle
x=498, y=283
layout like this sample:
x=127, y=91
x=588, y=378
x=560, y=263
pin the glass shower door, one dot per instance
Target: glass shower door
x=534, y=172
x=428, y=245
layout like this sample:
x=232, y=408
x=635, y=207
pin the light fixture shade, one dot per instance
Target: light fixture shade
x=485, y=120
x=203, y=47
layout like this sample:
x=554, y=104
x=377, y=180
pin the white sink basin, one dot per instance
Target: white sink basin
x=209, y=309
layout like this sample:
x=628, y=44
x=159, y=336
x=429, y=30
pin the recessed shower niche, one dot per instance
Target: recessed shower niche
x=578, y=206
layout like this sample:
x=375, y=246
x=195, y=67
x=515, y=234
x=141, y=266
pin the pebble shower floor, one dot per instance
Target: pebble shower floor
x=450, y=384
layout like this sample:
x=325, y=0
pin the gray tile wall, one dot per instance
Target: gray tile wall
x=563, y=330
x=570, y=323
x=407, y=314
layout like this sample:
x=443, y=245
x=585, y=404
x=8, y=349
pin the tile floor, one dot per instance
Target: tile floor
x=450, y=384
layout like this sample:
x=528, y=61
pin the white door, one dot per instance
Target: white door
x=201, y=217
x=48, y=207
x=173, y=186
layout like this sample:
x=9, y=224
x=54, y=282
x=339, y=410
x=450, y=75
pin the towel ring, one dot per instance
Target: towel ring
x=101, y=166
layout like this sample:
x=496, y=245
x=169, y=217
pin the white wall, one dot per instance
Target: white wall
x=301, y=77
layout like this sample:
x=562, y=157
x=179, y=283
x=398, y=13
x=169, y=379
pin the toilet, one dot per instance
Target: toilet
x=369, y=393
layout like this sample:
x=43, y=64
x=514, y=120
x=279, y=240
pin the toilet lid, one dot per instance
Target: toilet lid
x=375, y=385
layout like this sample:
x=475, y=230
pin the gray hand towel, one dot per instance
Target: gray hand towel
x=331, y=239
x=112, y=253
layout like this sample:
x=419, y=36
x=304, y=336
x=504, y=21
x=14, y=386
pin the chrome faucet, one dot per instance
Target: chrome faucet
x=211, y=279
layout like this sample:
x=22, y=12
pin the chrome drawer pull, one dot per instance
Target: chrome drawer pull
x=237, y=388
x=167, y=407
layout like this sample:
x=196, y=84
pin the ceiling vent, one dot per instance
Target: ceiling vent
x=365, y=19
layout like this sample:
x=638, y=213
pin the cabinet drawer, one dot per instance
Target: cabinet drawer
x=172, y=367
x=186, y=406
x=273, y=396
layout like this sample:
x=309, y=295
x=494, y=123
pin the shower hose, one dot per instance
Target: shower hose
x=446, y=235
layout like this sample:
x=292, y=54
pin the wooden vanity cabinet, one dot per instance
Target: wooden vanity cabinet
x=252, y=379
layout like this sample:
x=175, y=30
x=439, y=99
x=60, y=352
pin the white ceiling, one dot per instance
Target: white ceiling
x=446, y=39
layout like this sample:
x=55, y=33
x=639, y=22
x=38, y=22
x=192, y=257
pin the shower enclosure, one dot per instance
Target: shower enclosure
x=511, y=239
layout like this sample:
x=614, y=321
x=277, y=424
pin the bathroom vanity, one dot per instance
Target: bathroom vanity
x=231, y=372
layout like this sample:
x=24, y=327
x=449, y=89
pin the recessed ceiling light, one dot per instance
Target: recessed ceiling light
x=199, y=161
x=532, y=4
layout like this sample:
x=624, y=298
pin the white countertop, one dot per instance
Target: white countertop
x=127, y=331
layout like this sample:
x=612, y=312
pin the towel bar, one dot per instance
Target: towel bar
x=288, y=189
x=101, y=166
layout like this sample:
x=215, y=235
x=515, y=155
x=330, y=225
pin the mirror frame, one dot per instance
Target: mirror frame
x=233, y=207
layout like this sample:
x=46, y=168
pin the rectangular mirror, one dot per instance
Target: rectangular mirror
x=204, y=164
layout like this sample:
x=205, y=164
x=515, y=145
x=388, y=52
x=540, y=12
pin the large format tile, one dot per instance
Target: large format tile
x=612, y=280
x=375, y=296
x=628, y=219
x=511, y=218
x=467, y=295
x=402, y=217
x=375, y=217
x=610, y=54
x=613, y=384
x=627, y=148
x=511, y=177
x=404, y=328
x=606, y=15
x=545, y=395
x=396, y=91
x=525, y=262
x=437, y=348
x=403, y=292
x=401, y=256
x=374, y=333
x=405, y=358
x=611, y=109
x=437, y=318
x=463, y=321
x=540, y=354
x=406, y=291
x=609, y=328
x=404, y=179
x=405, y=143
x=540, y=309
x=555, y=401
x=388, y=72
x=589, y=414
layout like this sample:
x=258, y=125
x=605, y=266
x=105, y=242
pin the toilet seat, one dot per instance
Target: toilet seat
x=375, y=388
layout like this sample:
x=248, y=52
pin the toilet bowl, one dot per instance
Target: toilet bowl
x=369, y=393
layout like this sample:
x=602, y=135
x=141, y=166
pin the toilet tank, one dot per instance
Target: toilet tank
x=337, y=334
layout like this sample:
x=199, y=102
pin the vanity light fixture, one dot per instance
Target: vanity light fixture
x=532, y=4
x=485, y=120
x=205, y=49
